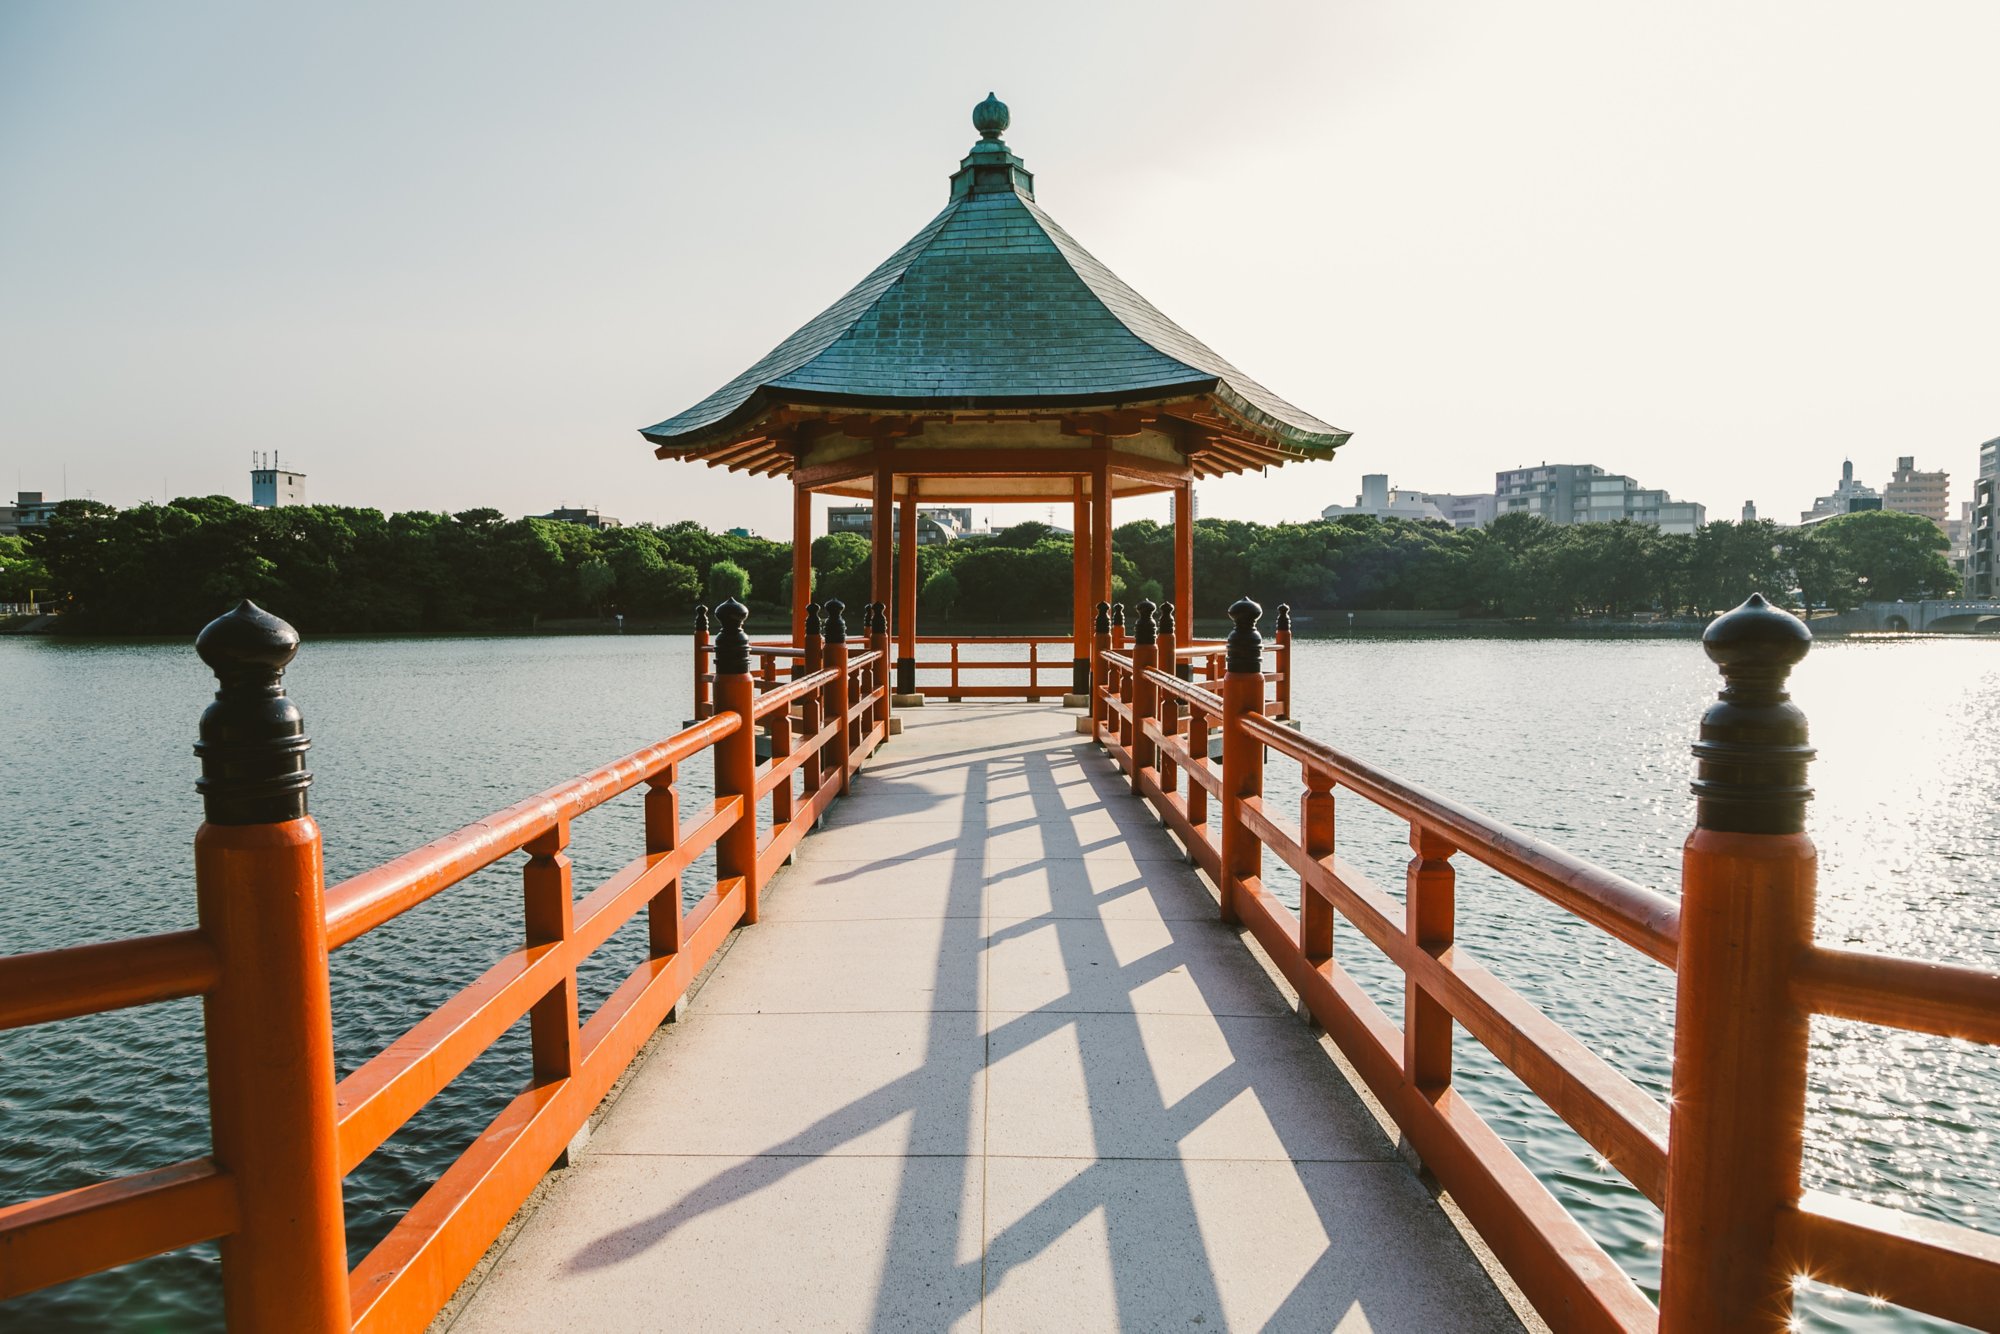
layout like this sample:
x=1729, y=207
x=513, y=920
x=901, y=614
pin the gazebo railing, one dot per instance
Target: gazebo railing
x=1723, y=1159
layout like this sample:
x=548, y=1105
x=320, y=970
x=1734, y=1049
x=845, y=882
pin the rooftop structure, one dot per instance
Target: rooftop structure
x=588, y=518
x=1843, y=498
x=1379, y=500
x=992, y=359
x=28, y=512
x=1586, y=493
x=272, y=485
x=935, y=523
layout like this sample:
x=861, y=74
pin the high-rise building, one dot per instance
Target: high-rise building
x=1979, y=577
x=272, y=486
x=1913, y=492
x=1749, y=511
x=1585, y=493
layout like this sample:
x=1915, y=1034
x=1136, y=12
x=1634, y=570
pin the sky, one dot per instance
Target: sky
x=440, y=256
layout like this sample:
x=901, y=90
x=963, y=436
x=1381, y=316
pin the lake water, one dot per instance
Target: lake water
x=1583, y=743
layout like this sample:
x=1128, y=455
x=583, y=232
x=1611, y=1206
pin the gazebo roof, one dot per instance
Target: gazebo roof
x=992, y=307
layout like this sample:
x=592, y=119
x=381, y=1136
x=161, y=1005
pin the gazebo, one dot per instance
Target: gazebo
x=992, y=359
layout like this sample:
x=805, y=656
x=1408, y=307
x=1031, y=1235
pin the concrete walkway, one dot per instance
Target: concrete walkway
x=989, y=1062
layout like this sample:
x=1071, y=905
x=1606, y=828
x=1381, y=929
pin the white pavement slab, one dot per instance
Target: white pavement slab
x=989, y=1062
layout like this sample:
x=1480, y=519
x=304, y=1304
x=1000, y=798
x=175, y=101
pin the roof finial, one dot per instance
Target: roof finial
x=990, y=117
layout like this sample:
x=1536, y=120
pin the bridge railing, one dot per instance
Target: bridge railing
x=1724, y=1163
x=284, y=1132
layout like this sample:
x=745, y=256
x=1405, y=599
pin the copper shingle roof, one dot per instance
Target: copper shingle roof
x=992, y=305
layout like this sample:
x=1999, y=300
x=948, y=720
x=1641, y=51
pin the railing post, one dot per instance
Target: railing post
x=549, y=909
x=1242, y=757
x=1430, y=915
x=1169, y=708
x=1145, y=695
x=815, y=645
x=1748, y=871
x=812, y=710
x=663, y=834
x=703, y=707
x=1117, y=627
x=878, y=675
x=837, y=702
x=736, y=754
x=1282, y=651
x=1100, y=632
x=1316, y=837
x=260, y=892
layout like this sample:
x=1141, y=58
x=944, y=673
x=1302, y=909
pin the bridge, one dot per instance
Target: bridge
x=1928, y=616
x=1013, y=1037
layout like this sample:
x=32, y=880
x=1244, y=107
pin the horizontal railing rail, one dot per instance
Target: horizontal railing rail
x=1731, y=1251
x=272, y=1190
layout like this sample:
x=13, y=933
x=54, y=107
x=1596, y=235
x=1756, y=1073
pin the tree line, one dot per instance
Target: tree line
x=166, y=569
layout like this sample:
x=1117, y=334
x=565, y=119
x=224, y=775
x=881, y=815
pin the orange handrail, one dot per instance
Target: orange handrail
x=275, y=1274
x=1155, y=726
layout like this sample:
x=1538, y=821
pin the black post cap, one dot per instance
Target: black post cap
x=1166, y=618
x=812, y=620
x=1146, y=629
x=880, y=625
x=253, y=740
x=1118, y=615
x=1750, y=763
x=836, y=621
x=732, y=645
x=1284, y=621
x=1102, y=625
x=700, y=619
x=1246, y=646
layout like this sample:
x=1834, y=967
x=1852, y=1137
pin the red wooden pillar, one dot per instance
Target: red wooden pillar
x=1080, y=598
x=1242, y=757
x=802, y=539
x=260, y=896
x=1316, y=837
x=1184, y=557
x=736, y=754
x=1283, y=654
x=1748, y=875
x=906, y=600
x=882, y=535
x=1169, y=707
x=1100, y=644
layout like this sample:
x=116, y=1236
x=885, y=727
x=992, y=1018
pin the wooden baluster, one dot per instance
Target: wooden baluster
x=1316, y=837
x=736, y=754
x=1748, y=883
x=1197, y=739
x=1429, y=916
x=260, y=895
x=550, y=915
x=703, y=703
x=954, y=697
x=1242, y=757
x=780, y=725
x=1145, y=657
x=767, y=677
x=837, y=701
x=663, y=834
x=878, y=675
x=1034, y=670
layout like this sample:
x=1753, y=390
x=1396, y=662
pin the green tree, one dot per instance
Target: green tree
x=938, y=594
x=727, y=579
x=1892, y=555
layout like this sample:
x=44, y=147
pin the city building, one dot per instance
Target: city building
x=1174, y=506
x=1913, y=492
x=1958, y=532
x=1379, y=500
x=588, y=518
x=272, y=486
x=1844, y=498
x=1749, y=511
x=1979, y=581
x=1585, y=493
x=28, y=512
x=935, y=523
